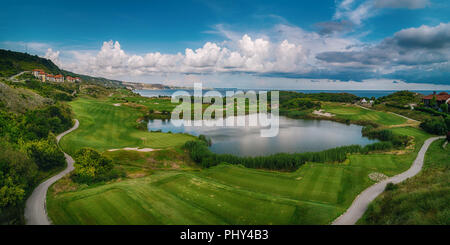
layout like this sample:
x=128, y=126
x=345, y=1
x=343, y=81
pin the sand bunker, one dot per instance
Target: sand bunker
x=134, y=149
x=377, y=176
x=322, y=113
x=118, y=104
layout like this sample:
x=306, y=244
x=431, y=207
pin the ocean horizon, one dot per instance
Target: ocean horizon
x=359, y=93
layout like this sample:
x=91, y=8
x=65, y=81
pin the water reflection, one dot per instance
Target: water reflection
x=294, y=136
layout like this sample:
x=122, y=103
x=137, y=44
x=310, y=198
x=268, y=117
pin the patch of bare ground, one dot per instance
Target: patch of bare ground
x=134, y=105
x=65, y=184
x=136, y=175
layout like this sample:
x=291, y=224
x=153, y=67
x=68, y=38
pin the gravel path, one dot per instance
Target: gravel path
x=35, y=208
x=360, y=204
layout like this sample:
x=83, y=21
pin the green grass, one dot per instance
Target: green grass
x=104, y=126
x=355, y=113
x=175, y=197
x=317, y=193
x=422, y=199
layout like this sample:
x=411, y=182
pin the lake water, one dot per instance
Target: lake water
x=295, y=136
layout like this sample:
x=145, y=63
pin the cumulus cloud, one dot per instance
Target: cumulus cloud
x=53, y=56
x=422, y=46
x=429, y=37
x=257, y=55
x=290, y=52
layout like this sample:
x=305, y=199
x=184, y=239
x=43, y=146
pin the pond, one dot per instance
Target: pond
x=295, y=136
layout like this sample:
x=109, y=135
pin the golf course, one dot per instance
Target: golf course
x=165, y=187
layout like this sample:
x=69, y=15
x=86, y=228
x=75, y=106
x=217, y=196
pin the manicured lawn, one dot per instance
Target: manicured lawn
x=104, y=126
x=352, y=112
x=317, y=193
x=175, y=197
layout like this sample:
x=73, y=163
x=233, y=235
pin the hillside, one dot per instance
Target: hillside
x=12, y=63
x=20, y=100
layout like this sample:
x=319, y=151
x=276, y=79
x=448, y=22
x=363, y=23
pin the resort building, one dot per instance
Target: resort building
x=70, y=79
x=59, y=78
x=50, y=78
x=441, y=98
x=53, y=78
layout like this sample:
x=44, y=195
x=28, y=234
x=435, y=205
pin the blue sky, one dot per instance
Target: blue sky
x=286, y=44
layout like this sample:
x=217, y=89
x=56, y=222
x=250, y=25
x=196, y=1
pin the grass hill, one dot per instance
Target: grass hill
x=12, y=63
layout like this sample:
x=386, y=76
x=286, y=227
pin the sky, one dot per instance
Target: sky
x=326, y=44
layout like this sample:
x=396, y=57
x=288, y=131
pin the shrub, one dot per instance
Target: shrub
x=46, y=154
x=205, y=139
x=17, y=174
x=300, y=104
x=435, y=126
x=444, y=107
x=391, y=187
x=91, y=167
x=200, y=153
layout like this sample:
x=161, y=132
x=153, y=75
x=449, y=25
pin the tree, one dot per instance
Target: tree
x=17, y=173
x=45, y=154
x=433, y=102
x=91, y=166
x=435, y=126
x=444, y=107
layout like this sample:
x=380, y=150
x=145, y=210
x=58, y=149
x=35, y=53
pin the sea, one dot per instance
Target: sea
x=359, y=93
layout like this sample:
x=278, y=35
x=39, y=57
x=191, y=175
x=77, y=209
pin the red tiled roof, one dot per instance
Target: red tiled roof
x=442, y=96
x=58, y=76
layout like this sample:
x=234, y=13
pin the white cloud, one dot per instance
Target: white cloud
x=258, y=55
x=289, y=52
x=53, y=56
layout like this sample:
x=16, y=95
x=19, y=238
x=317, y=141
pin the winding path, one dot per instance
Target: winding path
x=13, y=77
x=35, y=208
x=360, y=204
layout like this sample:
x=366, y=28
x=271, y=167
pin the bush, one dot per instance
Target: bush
x=301, y=104
x=205, y=139
x=17, y=174
x=37, y=124
x=91, y=167
x=200, y=153
x=430, y=111
x=46, y=154
x=437, y=126
x=444, y=107
x=391, y=187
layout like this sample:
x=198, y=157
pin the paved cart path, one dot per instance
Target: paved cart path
x=360, y=204
x=35, y=209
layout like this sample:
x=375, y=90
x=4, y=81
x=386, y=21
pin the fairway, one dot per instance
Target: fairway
x=104, y=126
x=352, y=112
x=171, y=192
x=317, y=193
